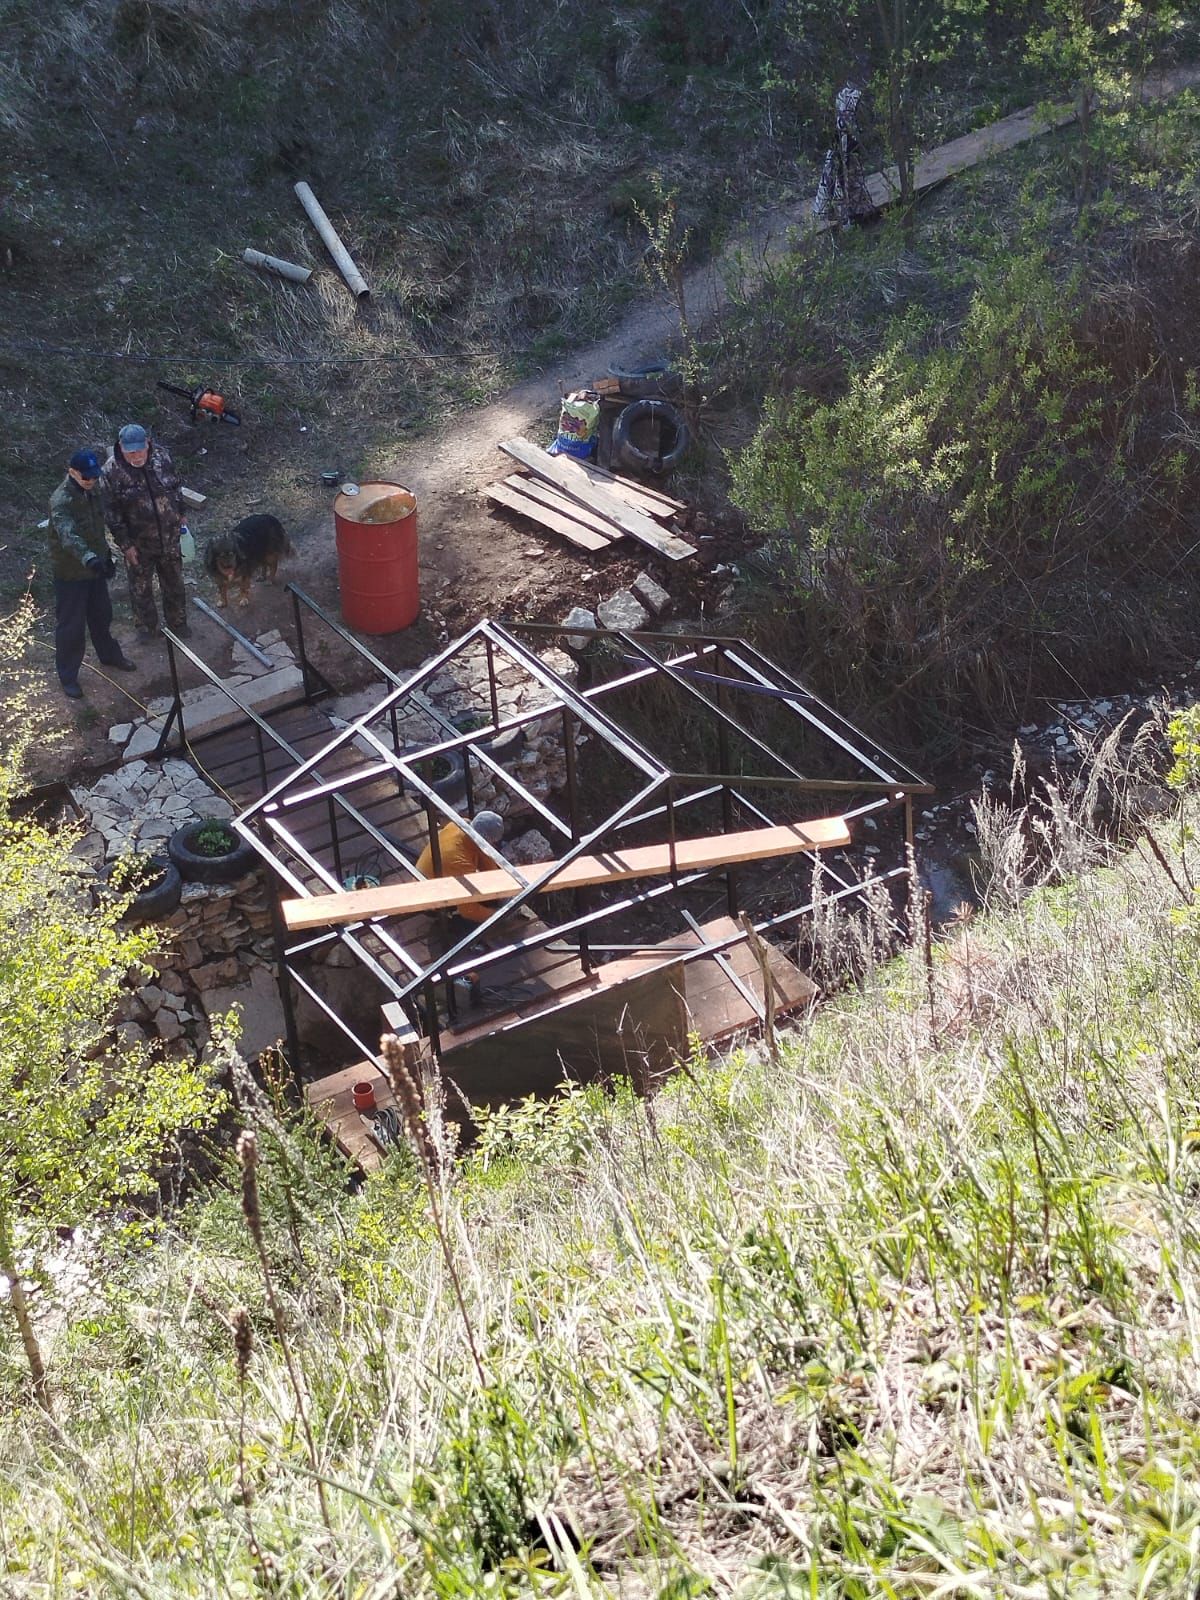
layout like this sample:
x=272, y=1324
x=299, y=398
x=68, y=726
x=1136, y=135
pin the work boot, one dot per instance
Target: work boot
x=72, y=691
x=122, y=664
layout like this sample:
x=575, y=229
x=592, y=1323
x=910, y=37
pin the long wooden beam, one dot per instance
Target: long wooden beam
x=642, y=861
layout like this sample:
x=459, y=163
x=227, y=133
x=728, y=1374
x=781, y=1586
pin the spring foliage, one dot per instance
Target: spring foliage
x=85, y=1117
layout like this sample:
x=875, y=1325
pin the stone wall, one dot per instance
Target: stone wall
x=220, y=933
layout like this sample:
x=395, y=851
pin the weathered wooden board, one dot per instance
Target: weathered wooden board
x=331, y=1100
x=640, y=861
x=568, y=476
x=635, y=1029
x=643, y=489
x=631, y=493
x=545, y=495
x=526, y=506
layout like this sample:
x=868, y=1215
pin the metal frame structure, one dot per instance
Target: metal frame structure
x=714, y=677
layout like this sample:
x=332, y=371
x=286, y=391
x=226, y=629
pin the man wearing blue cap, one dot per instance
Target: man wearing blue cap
x=145, y=515
x=82, y=563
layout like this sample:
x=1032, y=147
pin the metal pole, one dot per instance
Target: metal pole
x=582, y=898
x=262, y=756
x=282, y=970
x=301, y=648
x=178, y=707
x=335, y=843
x=731, y=894
x=491, y=666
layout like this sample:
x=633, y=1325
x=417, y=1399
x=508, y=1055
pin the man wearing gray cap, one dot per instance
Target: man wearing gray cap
x=145, y=514
x=458, y=854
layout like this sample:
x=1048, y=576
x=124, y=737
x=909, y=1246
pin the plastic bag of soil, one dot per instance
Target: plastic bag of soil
x=578, y=421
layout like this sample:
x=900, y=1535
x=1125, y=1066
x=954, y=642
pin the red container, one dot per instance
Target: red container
x=377, y=557
x=364, y=1095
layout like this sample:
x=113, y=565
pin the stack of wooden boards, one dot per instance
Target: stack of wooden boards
x=588, y=505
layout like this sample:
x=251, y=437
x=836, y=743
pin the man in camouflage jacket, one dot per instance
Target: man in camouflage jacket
x=145, y=513
x=81, y=564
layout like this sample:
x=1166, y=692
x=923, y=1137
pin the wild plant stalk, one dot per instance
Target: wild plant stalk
x=428, y=1159
x=243, y=1348
x=247, y=1151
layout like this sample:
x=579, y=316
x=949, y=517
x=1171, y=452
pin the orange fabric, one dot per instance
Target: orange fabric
x=459, y=855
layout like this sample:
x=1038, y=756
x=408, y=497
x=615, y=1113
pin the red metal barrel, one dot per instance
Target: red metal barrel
x=377, y=557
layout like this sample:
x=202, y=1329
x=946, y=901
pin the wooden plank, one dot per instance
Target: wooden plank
x=331, y=1100
x=192, y=497
x=568, y=476
x=557, y=501
x=631, y=494
x=641, y=861
x=524, y=506
x=642, y=490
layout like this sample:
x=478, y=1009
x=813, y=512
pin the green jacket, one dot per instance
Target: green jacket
x=76, y=530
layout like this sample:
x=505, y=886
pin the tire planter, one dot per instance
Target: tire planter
x=654, y=381
x=157, y=899
x=635, y=427
x=195, y=867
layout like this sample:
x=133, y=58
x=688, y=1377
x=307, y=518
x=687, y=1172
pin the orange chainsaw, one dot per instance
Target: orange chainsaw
x=205, y=403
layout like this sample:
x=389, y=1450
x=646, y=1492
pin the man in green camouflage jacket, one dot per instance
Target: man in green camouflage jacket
x=81, y=564
x=145, y=513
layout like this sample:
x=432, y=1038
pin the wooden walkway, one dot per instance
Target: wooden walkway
x=1015, y=129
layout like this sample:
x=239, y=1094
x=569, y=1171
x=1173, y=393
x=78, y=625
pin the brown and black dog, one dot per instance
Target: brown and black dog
x=254, y=546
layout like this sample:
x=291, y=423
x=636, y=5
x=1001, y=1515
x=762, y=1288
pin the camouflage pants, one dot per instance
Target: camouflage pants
x=141, y=591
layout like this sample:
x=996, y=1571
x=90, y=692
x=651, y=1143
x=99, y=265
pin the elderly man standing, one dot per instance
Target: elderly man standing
x=82, y=564
x=145, y=514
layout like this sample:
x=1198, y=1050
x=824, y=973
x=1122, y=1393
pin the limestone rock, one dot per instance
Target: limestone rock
x=579, y=618
x=530, y=846
x=623, y=610
x=651, y=594
x=168, y=1025
x=119, y=732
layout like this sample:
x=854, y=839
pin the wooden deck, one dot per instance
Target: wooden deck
x=632, y=1017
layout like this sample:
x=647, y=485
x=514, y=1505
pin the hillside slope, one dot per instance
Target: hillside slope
x=912, y=1311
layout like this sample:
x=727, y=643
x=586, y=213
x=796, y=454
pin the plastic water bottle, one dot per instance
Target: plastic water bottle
x=187, y=545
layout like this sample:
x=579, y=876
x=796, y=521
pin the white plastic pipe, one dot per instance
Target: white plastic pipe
x=285, y=269
x=343, y=260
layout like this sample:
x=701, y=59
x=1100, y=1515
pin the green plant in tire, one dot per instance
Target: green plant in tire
x=215, y=839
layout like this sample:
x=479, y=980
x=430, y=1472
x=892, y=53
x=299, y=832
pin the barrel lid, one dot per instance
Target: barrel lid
x=357, y=507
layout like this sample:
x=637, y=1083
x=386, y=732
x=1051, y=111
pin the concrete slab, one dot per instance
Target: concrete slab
x=260, y=1009
x=215, y=710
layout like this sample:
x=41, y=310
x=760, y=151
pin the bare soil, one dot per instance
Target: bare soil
x=474, y=561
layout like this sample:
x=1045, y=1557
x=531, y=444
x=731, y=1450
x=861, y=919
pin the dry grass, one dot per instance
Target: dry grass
x=916, y=1315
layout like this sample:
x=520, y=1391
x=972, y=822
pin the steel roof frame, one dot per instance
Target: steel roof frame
x=662, y=795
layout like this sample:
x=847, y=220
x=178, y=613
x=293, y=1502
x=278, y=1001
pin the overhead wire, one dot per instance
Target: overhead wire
x=38, y=347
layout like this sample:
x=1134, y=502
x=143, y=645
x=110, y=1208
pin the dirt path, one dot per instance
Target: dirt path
x=474, y=561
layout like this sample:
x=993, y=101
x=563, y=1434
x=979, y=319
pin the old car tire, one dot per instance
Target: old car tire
x=656, y=380
x=195, y=867
x=673, y=435
x=158, y=899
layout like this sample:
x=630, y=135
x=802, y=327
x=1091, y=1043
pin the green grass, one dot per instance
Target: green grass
x=913, y=1312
